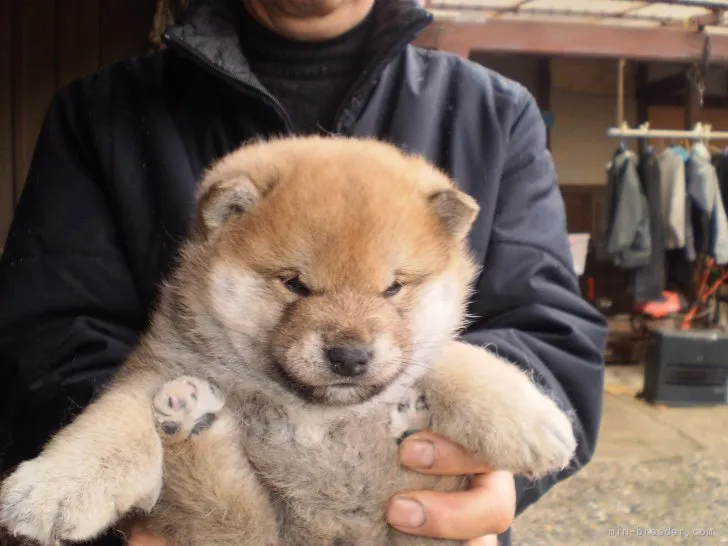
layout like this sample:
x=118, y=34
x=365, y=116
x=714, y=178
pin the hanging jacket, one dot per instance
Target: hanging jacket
x=710, y=223
x=720, y=162
x=673, y=199
x=625, y=240
x=679, y=260
x=648, y=281
x=110, y=197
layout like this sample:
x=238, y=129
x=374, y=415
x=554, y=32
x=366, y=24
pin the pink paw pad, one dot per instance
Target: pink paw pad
x=186, y=406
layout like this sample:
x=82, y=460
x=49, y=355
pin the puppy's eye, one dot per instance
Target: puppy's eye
x=393, y=290
x=297, y=287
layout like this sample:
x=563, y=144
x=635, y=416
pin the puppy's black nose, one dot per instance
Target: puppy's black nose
x=349, y=361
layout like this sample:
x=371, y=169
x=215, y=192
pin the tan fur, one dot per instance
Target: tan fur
x=229, y=425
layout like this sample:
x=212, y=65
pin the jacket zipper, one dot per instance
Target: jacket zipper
x=267, y=98
x=376, y=66
x=248, y=89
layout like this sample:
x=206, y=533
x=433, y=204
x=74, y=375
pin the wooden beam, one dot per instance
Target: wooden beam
x=7, y=114
x=34, y=69
x=543, y=89
x=77, y=28
x=573, y=40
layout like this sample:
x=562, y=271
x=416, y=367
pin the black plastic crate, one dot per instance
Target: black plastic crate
x=686, y=368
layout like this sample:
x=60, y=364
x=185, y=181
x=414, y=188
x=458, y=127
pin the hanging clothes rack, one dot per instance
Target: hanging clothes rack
x=699, y=132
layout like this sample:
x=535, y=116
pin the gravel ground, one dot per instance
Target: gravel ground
x=609, y=502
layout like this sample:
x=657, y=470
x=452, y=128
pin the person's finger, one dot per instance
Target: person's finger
x=430, y=453
x=488, y=508
x=139, y=537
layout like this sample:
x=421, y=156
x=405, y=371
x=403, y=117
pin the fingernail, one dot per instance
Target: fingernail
x=418, y=454
x=404, y=512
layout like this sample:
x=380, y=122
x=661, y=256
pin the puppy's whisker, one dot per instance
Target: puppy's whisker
x=416, y=364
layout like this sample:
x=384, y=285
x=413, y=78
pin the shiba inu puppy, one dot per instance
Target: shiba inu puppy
x=309, y=326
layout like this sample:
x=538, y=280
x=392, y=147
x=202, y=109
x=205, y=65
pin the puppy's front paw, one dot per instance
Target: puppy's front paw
x=52, y=499
x=495, y=410
x=185, y=407
x=411, y=414
x=544, y=441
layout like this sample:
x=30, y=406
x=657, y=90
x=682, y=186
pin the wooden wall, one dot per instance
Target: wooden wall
x=584, y=205
x=673, y=117
x=44, y=44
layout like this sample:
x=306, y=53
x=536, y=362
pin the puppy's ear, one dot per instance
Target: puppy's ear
x=457, y=211
x=223, y=199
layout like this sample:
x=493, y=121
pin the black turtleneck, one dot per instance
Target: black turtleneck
x=309, y=79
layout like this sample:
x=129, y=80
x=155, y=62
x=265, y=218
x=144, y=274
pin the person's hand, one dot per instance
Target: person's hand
x=141, y=537
x=487, y=508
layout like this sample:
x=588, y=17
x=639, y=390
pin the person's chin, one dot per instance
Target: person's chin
x=311, y=8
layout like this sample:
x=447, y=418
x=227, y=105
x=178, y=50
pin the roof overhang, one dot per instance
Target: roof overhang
x=664, y=31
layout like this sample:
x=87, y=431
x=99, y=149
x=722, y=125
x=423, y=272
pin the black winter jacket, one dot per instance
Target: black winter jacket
x=109, y=197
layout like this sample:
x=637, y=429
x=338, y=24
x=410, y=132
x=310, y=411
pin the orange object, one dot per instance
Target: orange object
x=709, y=262
x=591, y=292
x=662, y=308
x=703, y=297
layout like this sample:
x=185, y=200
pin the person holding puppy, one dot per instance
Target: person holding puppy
x=110, y=193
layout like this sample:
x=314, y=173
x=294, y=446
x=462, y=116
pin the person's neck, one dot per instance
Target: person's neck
x=309, y=79
x=309, y=28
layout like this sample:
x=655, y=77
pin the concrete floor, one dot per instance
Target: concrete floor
x=660, y=476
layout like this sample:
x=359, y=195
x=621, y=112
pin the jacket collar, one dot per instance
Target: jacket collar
x=208, y=32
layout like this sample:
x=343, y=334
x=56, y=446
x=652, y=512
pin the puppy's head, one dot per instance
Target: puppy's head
x=335, y=266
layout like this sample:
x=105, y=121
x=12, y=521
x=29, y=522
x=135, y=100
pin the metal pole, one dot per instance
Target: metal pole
x=620, y=92
x=700, y=132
